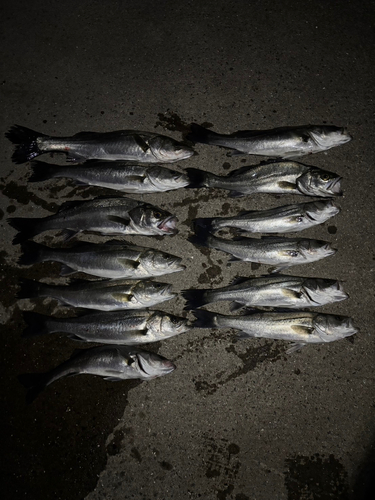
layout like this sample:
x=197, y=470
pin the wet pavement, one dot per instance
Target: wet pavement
x=236, y=420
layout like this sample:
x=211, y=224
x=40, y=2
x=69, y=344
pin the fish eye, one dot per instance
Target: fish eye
x=325, y=177
x=157, y=215
x=175, y=321
x=299, y=219
x=293, y=253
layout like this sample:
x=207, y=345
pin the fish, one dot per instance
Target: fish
x=277, y=251
x=128, y=145
x=113, y=259
x=123, y=176
x=106, y=295
x=285, y=219
x=107, y=216
x=112, y=362
x=283, y=177
x=270, y=291
x=282, y=142
x=301, y=328
x=116, y=327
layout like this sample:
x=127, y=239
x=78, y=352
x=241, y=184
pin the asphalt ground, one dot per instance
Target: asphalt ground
x=236, y=420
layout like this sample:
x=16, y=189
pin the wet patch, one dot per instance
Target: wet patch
x=226, y=165
x=332, y=229
x=166, y=465
x=114, y=446
x=10, y=276
x=251, y=359
x=316, y=478
x=22, y=195
x=134, y=453
x=223, y=465
x=171, y=121
x=64, y=429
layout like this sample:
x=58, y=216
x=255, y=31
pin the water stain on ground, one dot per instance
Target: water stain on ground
x=24, y=196
x=64, y=429
x=251, y=358
x=223, y=465
x=316, y=478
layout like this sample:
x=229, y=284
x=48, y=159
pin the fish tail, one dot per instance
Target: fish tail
x=205, y=319
x=205, y=223
x=27, y=228
x=43, y=171
x=29, y=289
x=201, y=237
x=36, y=324
x=195, y=298
x=34, y=383
x=32, y=253
x=197, y=178
x=201, y=134
x=26, y=143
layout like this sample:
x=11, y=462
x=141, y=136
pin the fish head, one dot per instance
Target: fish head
x=158, y=263
x=151, y=365
x=327, y=137
x=165, y=179
x=167, y=324
x=313, y=250
x=152, y=220
x=331, y=327
x=167, y=150
x=323, y=291
x=149, y=292
x=318, y=182
x=321, y=210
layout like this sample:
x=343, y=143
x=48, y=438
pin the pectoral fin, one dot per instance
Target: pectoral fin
x=141, y=143
x=302, y=330
x=294, y=348
x=122, y=297
x=287, y=185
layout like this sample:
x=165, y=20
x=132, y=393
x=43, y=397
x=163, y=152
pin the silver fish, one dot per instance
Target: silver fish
x=270, y=291
x=107, y=216
x=131, y=145
x=109, y=295
x=285, y=219
x=280, y=252
x=108, y=260
x=119, y=175
x=283, y=142
x=299, y=327
x=122, y=327
x=112, y=362
x=284, y=177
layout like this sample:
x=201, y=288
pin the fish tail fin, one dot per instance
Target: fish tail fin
x=26, y=143
x=197, y=178
x=205, y=223
x=32, y=253
x=34, y=383
x=201, y=237
x=43, y=171
x=29, y=289
x=27, y=228
x=195, y=298
x=36, y=324
x=201, y=134
x=205, y=319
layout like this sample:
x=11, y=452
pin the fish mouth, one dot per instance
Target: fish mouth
x=168, y=225
x=335, y=186
x=166, y=366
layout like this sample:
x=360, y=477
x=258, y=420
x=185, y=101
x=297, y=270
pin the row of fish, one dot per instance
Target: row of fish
x=149, y=147
x=118, y=160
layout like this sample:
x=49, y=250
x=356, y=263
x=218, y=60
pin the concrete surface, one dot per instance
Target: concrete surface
x=235, y=421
